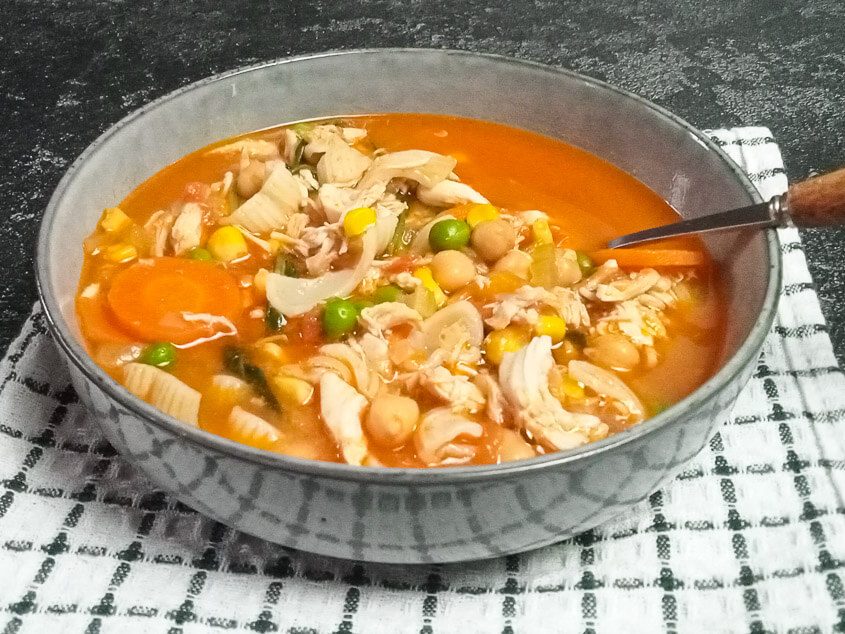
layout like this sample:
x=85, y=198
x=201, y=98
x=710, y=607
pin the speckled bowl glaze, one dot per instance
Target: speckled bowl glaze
x=411, y=515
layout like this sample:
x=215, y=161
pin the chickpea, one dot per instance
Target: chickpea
x=568, y=270
x=452, y=270
x=613, y=351
x=493, y=239
x=516, y=262
x=513, y=447
x=391, y=420
x=250, y=179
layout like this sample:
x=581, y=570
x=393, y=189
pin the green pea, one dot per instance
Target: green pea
x=160, y=355
x=198, y=253
x=274, y=319
x=389, y=293
x=585, y=263
x=361, y=304
x=339, y=317
x=449, y=234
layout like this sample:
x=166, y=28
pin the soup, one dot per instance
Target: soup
x=401, y=290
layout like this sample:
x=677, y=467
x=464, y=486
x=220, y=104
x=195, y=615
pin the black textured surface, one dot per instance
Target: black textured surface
x=70, y=70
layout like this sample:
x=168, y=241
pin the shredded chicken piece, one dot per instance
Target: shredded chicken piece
x=438, y=439
x=382, y=318
x=291, y=142
x=329, y=242
x=609, y=385
x=524, y=379
x=389, y=204
x=629, y=287
x=254, y=148
x=421, y=166
x=496, y=403
x=321, y=138
x=334, y=201
x=296, y=225
x=185, y=229
x=353, y=135
x=455, y=389
x=365, y=379
x=405, y=280
x=306, y=178
x=341, y=407
x=448, y=194
x=321, y=261
x=636, y=321
x=524, y=306
x=603, y=274
x=313, y=369
x=341, y=164
x=159, y=226
x=222, y=187
x=664, y=294
x=376, y=353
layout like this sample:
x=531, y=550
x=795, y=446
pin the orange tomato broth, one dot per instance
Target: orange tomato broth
x=589, y=201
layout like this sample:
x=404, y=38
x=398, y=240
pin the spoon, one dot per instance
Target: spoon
x=815, y=202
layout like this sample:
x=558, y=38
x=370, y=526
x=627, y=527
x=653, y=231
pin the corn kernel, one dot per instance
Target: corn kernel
x=227, y=244
x=479, y=213
x=423, y=274
x=270, y=352
x=572, y=388
x=542, y=232
x=290, y=390
x=499, y=342
x=120, y=253
x=551, y=325
x=114, y=220
x=259, y=281
x=357, y=221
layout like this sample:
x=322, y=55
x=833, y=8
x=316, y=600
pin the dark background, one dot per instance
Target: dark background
x=70, y=70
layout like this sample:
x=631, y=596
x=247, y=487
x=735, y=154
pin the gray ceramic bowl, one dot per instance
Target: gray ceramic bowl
x=410, y=515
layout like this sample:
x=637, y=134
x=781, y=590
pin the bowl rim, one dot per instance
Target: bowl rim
x=76, y=353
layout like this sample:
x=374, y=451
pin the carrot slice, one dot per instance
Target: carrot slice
x=149, y=299
x=97, y=323
x=637, y=258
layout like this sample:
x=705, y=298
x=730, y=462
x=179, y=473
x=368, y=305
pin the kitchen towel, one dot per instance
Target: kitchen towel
x=750, y=537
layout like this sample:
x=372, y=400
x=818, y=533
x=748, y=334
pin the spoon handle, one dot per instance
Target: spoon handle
x=818, y=201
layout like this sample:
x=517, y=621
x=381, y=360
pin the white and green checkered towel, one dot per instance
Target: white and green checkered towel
x=749, y=538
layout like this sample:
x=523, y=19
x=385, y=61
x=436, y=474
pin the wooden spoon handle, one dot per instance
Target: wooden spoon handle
x=818, y=201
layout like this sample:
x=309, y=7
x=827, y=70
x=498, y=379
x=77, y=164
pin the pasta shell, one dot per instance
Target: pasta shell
x=250, y=429
x=163, y=390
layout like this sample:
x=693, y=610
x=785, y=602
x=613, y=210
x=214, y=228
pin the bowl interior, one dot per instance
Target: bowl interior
x=658, y=149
